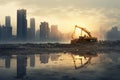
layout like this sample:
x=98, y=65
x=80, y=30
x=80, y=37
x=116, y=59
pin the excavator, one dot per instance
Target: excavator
x=85, y=61
x=81, y=64
x=83, y=39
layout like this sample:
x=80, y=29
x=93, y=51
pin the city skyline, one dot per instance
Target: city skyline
x=30, y=22
x=29, y=34
x=60, y=40
x=94, y=15
x=47, y=33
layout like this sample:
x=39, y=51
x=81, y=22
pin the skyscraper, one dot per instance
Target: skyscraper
x=7, y=21
x=29, y=37
x=32, y=27
x=7, y=29
x=44, y=31
x=113, y=34
x=54, y=33
x=21, y=24
x=0, y=32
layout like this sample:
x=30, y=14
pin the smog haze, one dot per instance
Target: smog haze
x=95, y=15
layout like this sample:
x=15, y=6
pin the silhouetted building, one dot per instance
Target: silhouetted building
x=6, y=31
x=44, y=31
x=113, y=34
x=8, y=27
x=32, y=27
x=0, y=32
x=44, y=58
x=3, y=32
x=21, y=24
x=37, y=35
x=54, y=33
x=29, y=34
x=21, y=66
x=32, y=60
x=7, y=61
x=7, y=21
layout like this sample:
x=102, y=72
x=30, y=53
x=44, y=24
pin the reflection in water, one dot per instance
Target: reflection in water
x=32, y=60
x=81, y=62
x=7, y=61
x=83, y=59
x=44, y=58
x=21, y=66
x=60, y=66
x=54, y=57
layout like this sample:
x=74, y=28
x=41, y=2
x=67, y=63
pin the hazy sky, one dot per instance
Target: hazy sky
x=93, y=14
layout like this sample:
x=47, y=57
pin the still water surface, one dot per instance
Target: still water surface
x=61, y=66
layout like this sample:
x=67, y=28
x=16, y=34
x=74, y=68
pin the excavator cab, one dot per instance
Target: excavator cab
x=83, y=39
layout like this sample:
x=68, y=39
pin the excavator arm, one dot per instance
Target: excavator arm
x=82, y=65
x=82, y=39
x=83, y=29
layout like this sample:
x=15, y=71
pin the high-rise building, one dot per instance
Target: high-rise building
x=7, y=21
x=0, y=32
x=6, y=33
x=7, y=29
x=37, y=36
x=54, y=33
x=113, y=34
x=29, y=34
x=44, y=31
x=32, y=27
x=21, y=24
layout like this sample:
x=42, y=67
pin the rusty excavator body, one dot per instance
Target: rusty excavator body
x=83, y=39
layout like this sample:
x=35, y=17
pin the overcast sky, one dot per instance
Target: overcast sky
x=95, y=15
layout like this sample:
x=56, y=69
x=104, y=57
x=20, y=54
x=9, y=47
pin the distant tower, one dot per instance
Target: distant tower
x=44, y=31
x=37, y=35
x=7, y=32
x=21, y=24
x=54, y=32
x=29, y=34
x=7, y=21
x=113, y=34
x=32, y=27
x=0, y=32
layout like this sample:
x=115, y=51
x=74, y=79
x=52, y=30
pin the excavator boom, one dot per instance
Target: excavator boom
x=82, y=38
